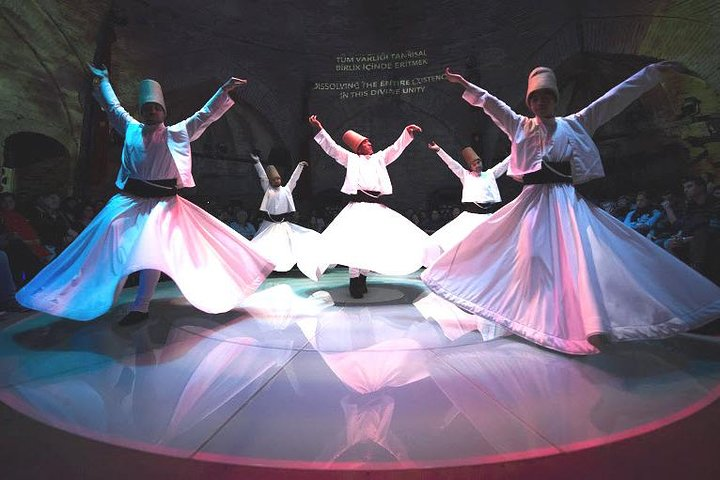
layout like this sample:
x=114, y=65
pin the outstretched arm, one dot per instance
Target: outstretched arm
x=296, y=175
x=622, y=95
x=503, y=116
x=500, y=168
x=394, y=150
x=213, y=109
x=105, y=95
x=328, y=144
x=264, y=182
x=452, y=164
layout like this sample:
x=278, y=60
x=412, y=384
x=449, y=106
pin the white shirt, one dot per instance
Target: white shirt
x=147, y=156
x=572, y=134
x=177, y=137
x=364, y=172
x=477, y=188
x=278, y=200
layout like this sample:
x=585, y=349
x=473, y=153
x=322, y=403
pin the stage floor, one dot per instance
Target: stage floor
x=302, y=376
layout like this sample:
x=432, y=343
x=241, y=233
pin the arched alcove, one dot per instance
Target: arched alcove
x=40, y=164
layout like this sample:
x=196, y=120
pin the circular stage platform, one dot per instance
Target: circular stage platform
x=301, y=376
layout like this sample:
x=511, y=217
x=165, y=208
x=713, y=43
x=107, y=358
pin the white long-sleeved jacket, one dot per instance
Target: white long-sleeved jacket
x=364, y=172
x=179, y=135
x=528, y=136
x=278, y=200
x=477, y=188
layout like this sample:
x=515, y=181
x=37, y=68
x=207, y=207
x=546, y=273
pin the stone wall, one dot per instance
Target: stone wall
x=370, y=66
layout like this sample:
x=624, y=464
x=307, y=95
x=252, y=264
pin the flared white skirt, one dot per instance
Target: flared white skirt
x=557, y=270
x=374, y=237
x=214, y=267
x=449, y=235
x=286, y=244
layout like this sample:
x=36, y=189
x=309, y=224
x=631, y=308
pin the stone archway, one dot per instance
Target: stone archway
x=40, y=164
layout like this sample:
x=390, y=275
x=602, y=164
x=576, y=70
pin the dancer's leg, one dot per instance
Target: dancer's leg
x=148, y=281
x=355, y=287
x=139, y=309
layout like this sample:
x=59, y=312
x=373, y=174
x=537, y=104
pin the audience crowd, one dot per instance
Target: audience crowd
x=31, y=235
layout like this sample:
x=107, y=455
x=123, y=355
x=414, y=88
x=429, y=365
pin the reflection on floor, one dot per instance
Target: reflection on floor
x=301, y=375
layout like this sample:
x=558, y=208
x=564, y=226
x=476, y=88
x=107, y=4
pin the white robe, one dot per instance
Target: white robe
x=370, y=236
x=477, y=188
x=284, y=243
x=213, y=266
x=556, y=269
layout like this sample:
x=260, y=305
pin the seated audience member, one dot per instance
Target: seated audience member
x=621, y=208
x=242, y=225
x=664, y=228
x=84, y=215
x=7, y=288
x=316, y=222
x=644, y=216
x=52, y=225
x=18, y=226
x=698, y=230
x=433, y=222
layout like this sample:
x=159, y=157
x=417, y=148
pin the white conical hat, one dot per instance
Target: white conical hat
x=150, y=91
x=353, y=139
x=541, y=78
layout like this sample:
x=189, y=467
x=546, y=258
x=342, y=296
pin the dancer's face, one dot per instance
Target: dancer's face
x=365, y=148
x=152, y=113
x=275, y=181
x=475, y=165
x=542, y=103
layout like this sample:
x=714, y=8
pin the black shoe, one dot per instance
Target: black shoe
x=363, y=283
x=133, y=318
x=355, y=288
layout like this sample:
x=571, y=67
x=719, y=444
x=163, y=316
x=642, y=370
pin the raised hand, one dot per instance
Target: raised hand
x=99, y=72
x=255, y=158
x=433, y=146
x=413, y=129
x=233, y=83
x=455, y=78
x=303, y=163
x=671, y=66
x=315, y=122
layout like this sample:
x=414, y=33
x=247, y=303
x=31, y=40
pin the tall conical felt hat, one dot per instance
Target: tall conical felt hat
x=541, y=78
x=469, y=155
x=150, y=91
x=271, y=171
x=353, y=139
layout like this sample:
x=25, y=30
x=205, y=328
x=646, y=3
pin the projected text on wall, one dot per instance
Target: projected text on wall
x=378, y=74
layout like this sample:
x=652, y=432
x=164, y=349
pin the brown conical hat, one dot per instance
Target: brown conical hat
x=353, y=139
x=468, y=154
x=541, y=78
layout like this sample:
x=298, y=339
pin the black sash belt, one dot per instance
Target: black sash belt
x=545, y=175
x=366, y=197
x=277, y=217
x=151, y=188
x=481, y=207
